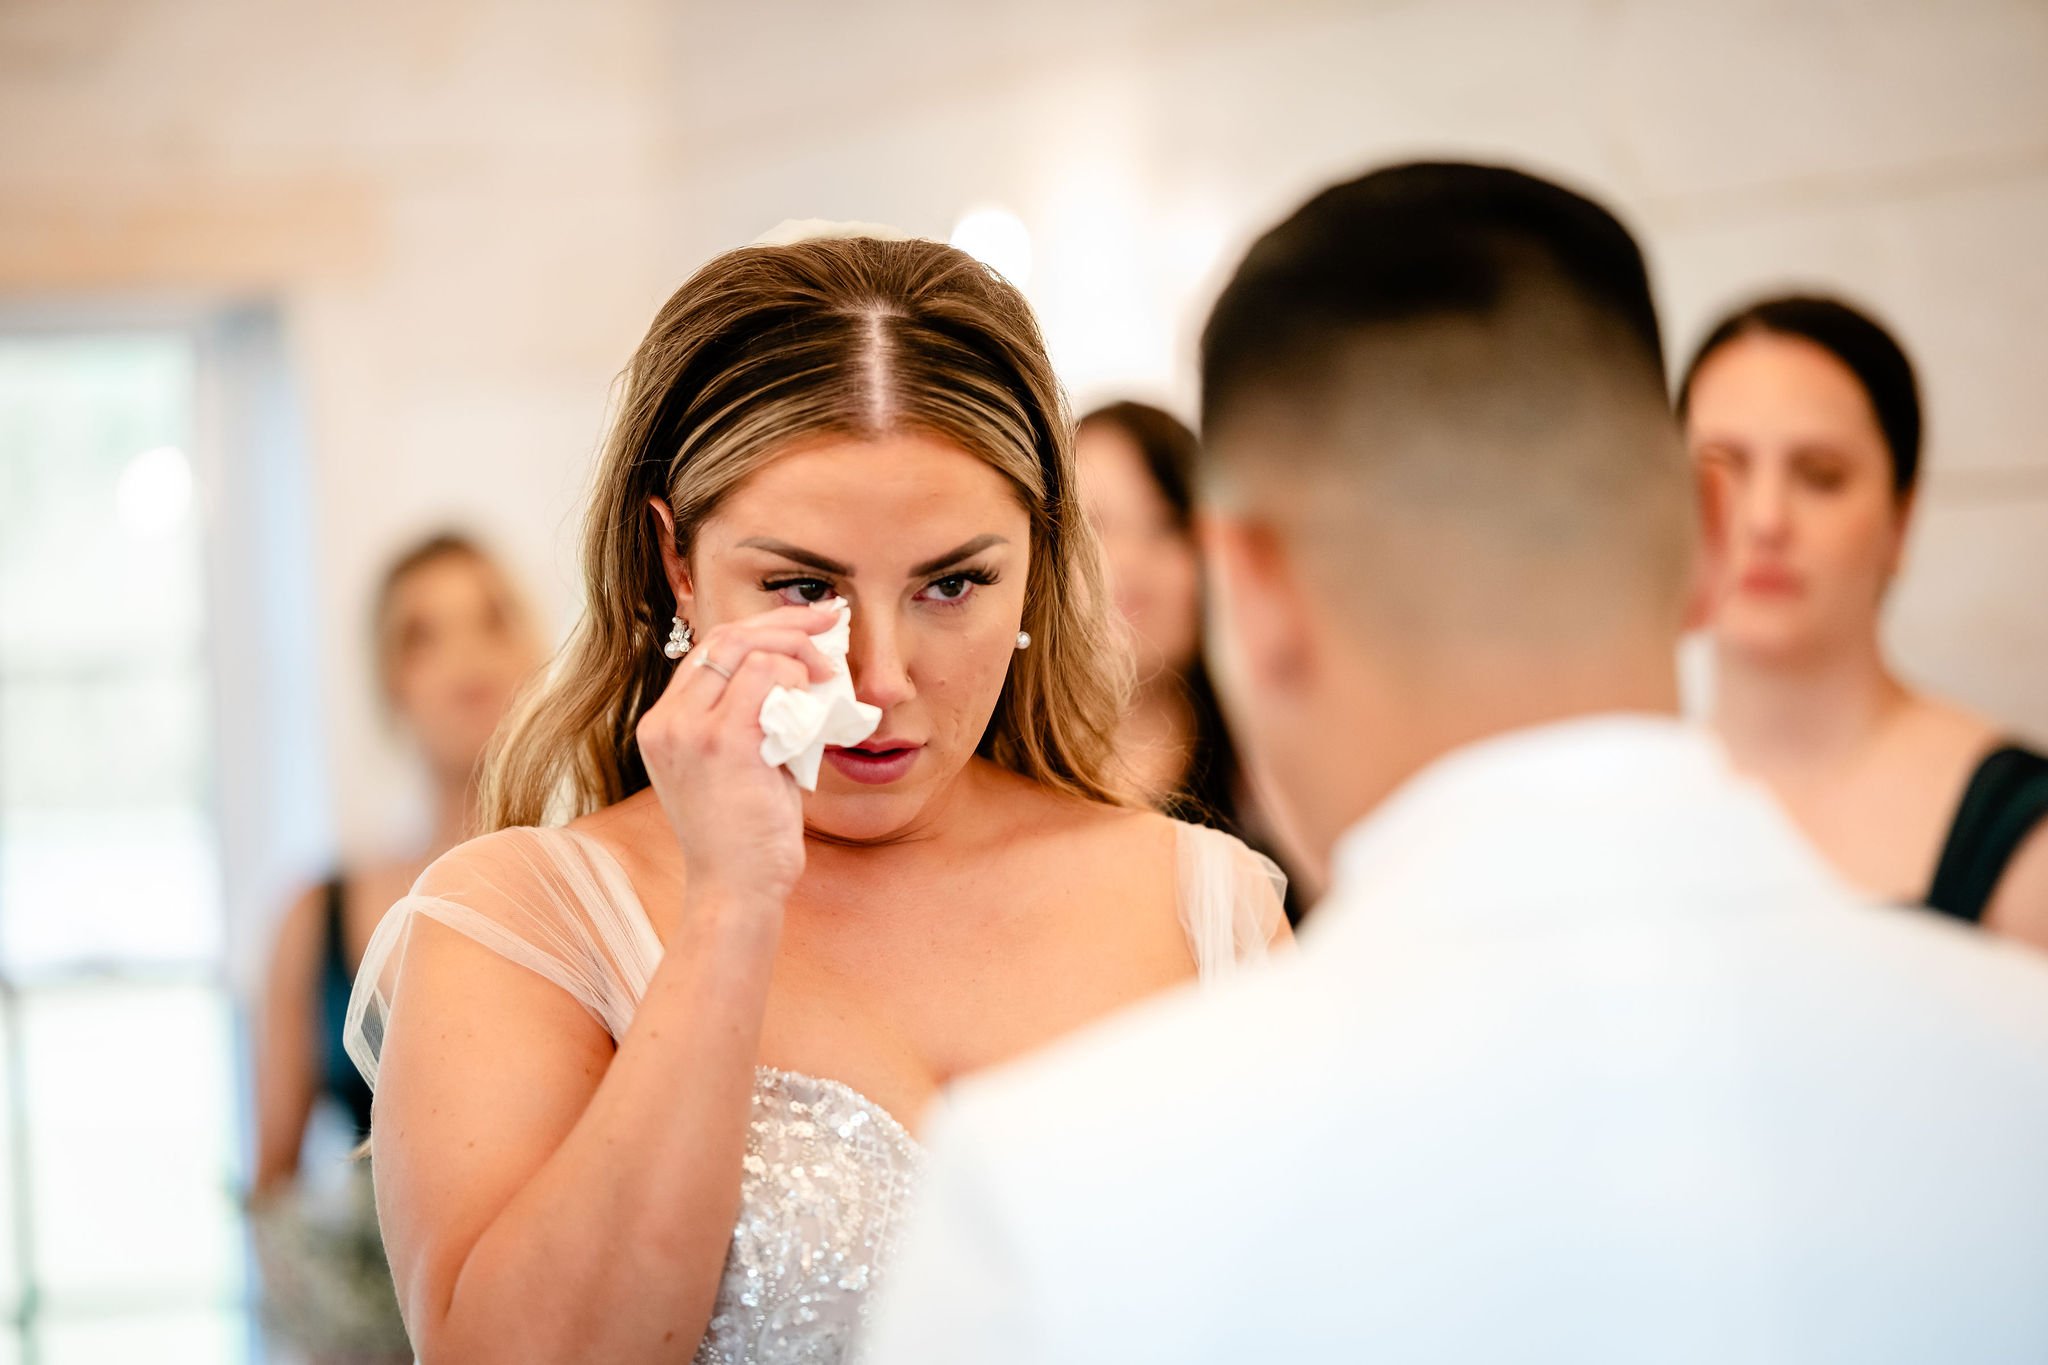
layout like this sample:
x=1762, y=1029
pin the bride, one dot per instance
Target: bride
x=647, y=1081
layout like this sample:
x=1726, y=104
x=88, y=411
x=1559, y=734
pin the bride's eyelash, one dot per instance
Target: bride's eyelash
x=985, y=577
x=979, y=576
x=781, y=584
x=962, y=581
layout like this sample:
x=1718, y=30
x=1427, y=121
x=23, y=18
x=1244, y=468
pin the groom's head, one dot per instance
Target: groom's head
x=1445, y=493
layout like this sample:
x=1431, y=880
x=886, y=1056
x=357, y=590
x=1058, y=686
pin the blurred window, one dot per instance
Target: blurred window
x=120, y=1237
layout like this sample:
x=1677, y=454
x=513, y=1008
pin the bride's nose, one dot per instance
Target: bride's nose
x=878, y=660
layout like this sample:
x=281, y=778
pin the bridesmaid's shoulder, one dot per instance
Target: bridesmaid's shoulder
x=1949, y=731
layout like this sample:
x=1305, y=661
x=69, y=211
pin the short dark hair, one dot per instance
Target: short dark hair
x=1416, y=243
x=1850, y=335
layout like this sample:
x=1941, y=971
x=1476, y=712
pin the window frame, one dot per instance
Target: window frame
x=268, y=803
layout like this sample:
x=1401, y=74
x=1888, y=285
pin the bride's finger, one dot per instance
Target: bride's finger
x=728, y=650
x=812, y=618
x=701, y=678
x=760, y=674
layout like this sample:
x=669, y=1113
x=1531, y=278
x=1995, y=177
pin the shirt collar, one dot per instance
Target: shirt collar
x=1571, y=810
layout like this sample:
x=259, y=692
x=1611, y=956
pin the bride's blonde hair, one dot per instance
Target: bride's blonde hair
x=764, y=347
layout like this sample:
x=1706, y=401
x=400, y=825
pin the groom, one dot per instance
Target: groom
x=1585, y=1056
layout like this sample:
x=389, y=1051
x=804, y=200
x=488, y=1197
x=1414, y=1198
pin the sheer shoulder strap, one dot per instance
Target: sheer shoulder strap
x=550, y=900
x=1232, y=900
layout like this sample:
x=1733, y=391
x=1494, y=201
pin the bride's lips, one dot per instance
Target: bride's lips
x=876, y=763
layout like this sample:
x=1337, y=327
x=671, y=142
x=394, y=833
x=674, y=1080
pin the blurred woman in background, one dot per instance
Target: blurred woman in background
x=1805, y=415
x=1137, y=465
x=453, y=645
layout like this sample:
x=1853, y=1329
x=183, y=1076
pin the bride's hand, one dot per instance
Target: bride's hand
x=739, y=821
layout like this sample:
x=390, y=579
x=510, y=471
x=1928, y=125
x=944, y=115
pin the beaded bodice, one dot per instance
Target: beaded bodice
x=823, y=1191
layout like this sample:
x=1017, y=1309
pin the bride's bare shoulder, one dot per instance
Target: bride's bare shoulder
x=1078, y=826
x=622, y=823
x=635, y=833
x=491, y=853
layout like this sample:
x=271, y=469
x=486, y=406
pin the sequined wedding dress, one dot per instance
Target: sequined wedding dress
x=827, y=1174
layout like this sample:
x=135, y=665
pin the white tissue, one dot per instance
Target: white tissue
x=799, y=725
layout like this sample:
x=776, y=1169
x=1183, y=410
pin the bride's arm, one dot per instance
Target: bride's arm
x=542, y=1198
x=541, y=1204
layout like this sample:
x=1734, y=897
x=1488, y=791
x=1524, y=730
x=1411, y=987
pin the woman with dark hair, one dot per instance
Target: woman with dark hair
x=1137, y=467
x=1804, y=415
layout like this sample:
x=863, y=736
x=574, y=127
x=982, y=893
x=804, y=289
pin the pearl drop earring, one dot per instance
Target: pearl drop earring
x=1023, y=639
x=680, y=638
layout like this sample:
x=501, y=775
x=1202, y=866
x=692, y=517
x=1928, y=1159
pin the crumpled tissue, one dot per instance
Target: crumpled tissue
x=799, y=725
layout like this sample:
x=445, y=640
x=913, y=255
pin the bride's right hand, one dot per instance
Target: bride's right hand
x=739, y=821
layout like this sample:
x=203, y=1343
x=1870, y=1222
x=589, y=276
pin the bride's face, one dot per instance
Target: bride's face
x=931, y=546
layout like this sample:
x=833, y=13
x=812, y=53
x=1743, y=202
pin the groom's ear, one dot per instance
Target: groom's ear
x=1261, y=631
x=1715, y=503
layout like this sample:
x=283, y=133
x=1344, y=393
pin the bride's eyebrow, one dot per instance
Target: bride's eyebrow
x=954, y=556
x=799, y=555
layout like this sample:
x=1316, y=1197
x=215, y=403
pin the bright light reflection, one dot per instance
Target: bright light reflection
x=998, y=239
x=155, y=491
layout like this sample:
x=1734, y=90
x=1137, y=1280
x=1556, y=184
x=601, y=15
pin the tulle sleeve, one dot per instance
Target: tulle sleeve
x=549, y=900
x=1232, y=900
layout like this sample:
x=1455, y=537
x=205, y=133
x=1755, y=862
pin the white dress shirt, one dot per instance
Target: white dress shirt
x=1585, y=1057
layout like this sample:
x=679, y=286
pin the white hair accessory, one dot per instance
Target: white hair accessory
x=790, y=231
